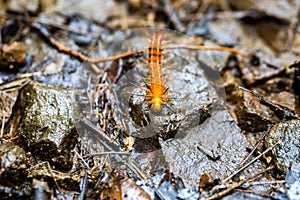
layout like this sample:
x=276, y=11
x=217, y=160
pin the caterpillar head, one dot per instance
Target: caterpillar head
x=156, y=103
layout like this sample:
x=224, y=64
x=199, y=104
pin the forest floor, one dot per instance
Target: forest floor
x=103, y=99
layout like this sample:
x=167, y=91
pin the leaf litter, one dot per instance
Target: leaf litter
x=168, y=158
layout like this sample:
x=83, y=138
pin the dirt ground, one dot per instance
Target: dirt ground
x=149, y=99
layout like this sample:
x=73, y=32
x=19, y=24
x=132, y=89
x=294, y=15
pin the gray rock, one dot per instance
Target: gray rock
x=287, y=151
x=46, y=124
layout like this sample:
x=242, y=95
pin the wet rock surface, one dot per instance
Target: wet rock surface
x=13, y=164
x=180, y=71
x=189, y=104
x=293, y=181
x=206, y=148
x=192, y=134
x=167, y=152
x=46, y=124
x=287, y=152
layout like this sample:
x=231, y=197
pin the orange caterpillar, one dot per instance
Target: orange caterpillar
x=156, y=90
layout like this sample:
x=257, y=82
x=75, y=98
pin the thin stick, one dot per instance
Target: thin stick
x=2, y=125
x=81, y=158
x=52, y=175
x=209, y=153
x=105, y=141
x=260, y=193
x=105, y=153
x=95, y=68
x=208, y=48
x=251, y=92
x=287, y=113
x=236, y=185
x=82, y=57
x=267, y=182
x=84, y=186
x=16, y=83
x=111, y=58
x=76, y=54
x=254, y=148
x=139, y=172
x=66, y=49
x=248, y=164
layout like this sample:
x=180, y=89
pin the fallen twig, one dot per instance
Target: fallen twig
x=83, y=186
x=105, y=153
x=233, y=186
x=287, y=113
x=251, y=162
x=254, y=148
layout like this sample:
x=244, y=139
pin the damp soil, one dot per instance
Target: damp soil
x=73, y=129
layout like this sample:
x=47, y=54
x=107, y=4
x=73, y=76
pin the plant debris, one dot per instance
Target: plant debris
x=76, y=121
